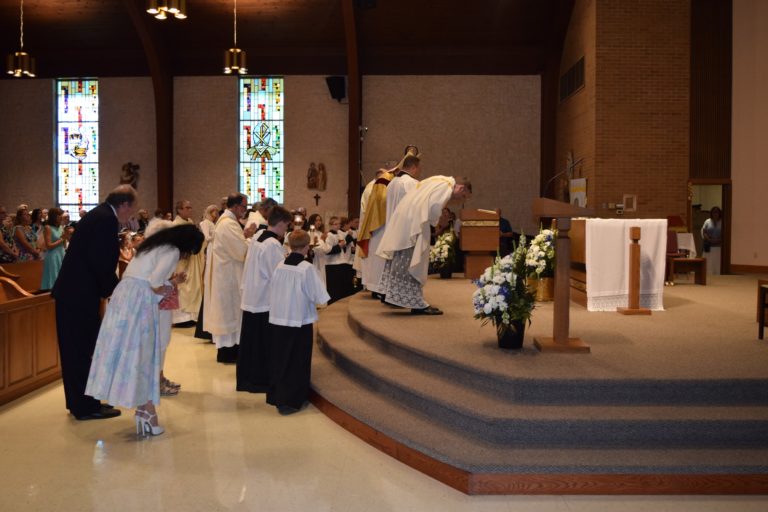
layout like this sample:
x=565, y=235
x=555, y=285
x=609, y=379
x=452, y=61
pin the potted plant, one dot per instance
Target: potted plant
x=503, y=298
x=540, y=262
x=443, y=253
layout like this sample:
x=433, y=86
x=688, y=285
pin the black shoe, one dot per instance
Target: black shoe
x=107, y=406
x=227, y=355
x=382, y=298
x=429, y=310
x=286, y=410
x=188, y=323
x=376, y=295
x=102, y=414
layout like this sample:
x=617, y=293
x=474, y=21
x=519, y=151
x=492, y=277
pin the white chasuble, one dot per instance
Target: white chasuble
x=409, y=225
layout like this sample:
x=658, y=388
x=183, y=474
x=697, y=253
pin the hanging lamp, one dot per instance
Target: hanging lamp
x=234, y=58
x=160, y=9
x=20, y=64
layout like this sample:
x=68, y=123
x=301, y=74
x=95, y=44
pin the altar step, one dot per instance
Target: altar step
x=459, y=399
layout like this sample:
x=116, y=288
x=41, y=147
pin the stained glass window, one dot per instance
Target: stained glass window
x=261, y=138
x=77, y=145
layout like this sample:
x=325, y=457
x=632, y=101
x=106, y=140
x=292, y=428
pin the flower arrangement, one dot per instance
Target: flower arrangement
x=502, y=297
x=442, y=254
x=540, y=257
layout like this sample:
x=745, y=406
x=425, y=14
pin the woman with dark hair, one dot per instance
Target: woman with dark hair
x=25, y=238
x=55, y=243
x=129, y=351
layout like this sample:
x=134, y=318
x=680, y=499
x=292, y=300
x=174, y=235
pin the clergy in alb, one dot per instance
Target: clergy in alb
x=373, y=215
x=222, y=315
x=405, y=245
x=191, y=290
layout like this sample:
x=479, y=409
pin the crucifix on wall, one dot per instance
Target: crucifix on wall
x=317, y=199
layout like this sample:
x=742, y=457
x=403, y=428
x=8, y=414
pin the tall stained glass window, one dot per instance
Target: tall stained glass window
x=261, y=138
x=77, y=144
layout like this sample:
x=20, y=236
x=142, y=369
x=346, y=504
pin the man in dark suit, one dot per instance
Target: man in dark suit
x=87, y=275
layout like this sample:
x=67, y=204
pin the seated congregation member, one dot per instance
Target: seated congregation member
x=25, y=238
x=264, y=255
x=8, y=251
x=405, y=245
x=294, y=293
x=338, y=265
x=55, y=242
x=87, y=275
x=129, y=354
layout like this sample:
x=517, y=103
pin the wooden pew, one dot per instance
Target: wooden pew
x=30, y=274
x=29, y=351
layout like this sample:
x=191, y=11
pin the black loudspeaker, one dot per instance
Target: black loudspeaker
x=337, y=87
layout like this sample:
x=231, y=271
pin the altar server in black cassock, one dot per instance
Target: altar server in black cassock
x=87, y=275
x=295, y=291
x=264, y=255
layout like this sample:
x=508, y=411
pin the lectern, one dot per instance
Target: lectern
x=563, y=212
x=479, y=240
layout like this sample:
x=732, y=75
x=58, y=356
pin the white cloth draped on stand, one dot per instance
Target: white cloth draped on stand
x=607, y=262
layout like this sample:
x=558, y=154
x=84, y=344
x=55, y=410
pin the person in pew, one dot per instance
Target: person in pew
x=128, y=359
x=55, y=242
x=88, y=275
x=295, y=292
x=25, y=237
x=264, y=255
x=8, y=251
x=405, y=245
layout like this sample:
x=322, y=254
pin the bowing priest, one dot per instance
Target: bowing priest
x=222, y=315
x=191, y=290
x=405, y=245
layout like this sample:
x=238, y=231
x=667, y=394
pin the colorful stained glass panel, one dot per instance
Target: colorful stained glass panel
x=261, y=160
x=77, y=144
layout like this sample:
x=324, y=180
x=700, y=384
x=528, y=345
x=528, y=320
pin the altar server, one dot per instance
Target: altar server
x=405, y=245
x=264, y=255
x=295, y=291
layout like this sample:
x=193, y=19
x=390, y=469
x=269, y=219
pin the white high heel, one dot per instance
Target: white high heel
x=143, y=425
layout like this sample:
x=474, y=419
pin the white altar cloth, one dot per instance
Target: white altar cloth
x=607, y=262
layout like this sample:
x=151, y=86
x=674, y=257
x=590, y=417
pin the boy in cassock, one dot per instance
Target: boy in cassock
x=264, y=255
x=295, y=291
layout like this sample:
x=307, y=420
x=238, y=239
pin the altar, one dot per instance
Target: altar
x=600, y=262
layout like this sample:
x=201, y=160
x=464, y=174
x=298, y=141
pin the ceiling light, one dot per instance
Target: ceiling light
x=234, y=58
x=20, y=63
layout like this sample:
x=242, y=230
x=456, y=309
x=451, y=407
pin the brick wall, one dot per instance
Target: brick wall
x=631, y=121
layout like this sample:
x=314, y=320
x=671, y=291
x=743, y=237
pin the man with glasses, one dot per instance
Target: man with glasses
x=222, y=315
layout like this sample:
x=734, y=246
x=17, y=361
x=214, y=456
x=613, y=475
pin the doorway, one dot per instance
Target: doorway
x=703, y=195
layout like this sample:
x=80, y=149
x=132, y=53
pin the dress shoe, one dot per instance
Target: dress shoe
x=102, y=414
x=286, y=410
x=107, y=406
x=376, y=295
x=227, y=355
x=188, y=323
x=429, y=310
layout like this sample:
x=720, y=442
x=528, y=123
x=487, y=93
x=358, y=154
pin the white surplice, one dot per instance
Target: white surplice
x=260, y=263
x=294, y=295
x=409, y=224
x=222, y=315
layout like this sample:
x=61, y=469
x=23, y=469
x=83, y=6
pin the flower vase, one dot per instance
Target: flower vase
x=542, y=287
x=446, y=272
x=512, y=338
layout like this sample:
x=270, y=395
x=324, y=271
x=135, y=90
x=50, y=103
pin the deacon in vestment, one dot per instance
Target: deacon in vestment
x=191, y=290
x=405, y=245
x=373, y=216
x=264, y=255
x=222, y=315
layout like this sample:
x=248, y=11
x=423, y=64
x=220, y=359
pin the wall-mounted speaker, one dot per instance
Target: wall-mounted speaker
x=337, y=86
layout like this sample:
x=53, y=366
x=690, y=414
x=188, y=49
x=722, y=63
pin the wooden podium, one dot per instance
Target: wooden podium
x=563, y=212
x=479, y=240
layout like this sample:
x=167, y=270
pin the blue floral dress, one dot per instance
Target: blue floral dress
x=7, y=235
x=32, y=239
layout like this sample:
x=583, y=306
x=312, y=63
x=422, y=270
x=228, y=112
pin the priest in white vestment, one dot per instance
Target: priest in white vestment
x=190, y=291
x=222, y=315
x=405, y=245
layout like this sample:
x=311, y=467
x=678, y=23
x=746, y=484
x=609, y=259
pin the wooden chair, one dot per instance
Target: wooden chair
x=677, y=261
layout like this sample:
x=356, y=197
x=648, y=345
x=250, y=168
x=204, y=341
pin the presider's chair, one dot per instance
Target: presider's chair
x=678, y=261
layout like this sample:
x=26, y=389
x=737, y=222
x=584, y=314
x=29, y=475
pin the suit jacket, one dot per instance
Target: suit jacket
x=88, y=270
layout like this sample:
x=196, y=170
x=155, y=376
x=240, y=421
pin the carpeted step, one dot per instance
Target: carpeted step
x=498, y=418
x=479, y=456
x=534, y=378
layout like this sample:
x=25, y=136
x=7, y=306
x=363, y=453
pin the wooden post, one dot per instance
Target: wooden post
x=634, y=276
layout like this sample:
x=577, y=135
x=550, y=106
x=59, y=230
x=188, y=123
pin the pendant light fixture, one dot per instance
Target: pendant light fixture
x=160, y=9
x=20, y=63
x=234, y=58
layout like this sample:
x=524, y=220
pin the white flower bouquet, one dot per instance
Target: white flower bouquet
x=442, y=254
x=540, y=258
x=502, y=297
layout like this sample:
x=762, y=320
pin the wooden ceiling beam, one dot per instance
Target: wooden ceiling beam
x=355, y=96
